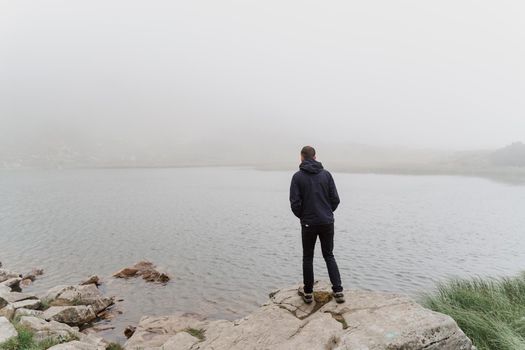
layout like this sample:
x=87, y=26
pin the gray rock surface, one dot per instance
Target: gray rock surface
x=181, y=340
x=33, y=304
x=13, y=284
x=76, y=345
x=28, y=312
x=7, y=330
x=13, y=297
x=153, y=331
x=79, y=295
x=52, y=329
x=8, y=311
x=367, y=321
x=71, y=315
x=6, y=275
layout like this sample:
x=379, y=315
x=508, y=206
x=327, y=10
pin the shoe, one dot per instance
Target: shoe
x=307, y=297
x=339, y=297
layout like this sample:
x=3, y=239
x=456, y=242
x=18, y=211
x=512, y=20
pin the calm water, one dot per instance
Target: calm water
x=227, y=235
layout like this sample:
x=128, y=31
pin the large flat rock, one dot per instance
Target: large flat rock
x=7, y=330
x=367, y=321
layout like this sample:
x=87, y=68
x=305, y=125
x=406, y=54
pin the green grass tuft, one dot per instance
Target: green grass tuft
x=114, y=346
x=491, y=312
x=25, y=340
x=197, y=333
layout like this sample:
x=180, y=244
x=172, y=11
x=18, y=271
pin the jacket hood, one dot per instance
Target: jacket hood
x=311, y=166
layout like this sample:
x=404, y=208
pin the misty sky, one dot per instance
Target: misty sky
x=440, y=74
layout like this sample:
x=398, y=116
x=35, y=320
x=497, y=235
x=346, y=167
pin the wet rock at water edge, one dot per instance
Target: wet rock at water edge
x=128, y=332
x=71, y=315
x=94, y=279
x=144, y=269
x=49, y=330
x=6, y=275
x=78, y=295
x=368, y=320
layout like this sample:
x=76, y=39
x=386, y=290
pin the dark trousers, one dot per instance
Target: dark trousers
x=326, y=236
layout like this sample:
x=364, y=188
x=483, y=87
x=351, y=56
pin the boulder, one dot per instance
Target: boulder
x=7, y=330
x=28, y=312
x=4, y=289
x=8, y=311
x=49, y=330
x=78, y=295
x=153, y=332
x=367, y=321
x=146, y=270
x=180, y=341
x=13, y=284
x=13, y=297
x=6, y=275
x=33, y=304
x=76, y=345
x=71, y=315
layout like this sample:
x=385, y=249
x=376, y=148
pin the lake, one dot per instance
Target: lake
x=227, y=235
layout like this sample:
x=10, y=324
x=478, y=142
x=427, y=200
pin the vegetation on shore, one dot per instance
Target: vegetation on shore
x=491, y=312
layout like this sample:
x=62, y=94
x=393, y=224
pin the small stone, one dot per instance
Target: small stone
x=128, y=332
x=94, y=279
x=26, y=282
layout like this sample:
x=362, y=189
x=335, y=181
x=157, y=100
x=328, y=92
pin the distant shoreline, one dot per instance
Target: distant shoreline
x=510, y=175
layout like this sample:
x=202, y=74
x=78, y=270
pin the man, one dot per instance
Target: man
x=314, y=198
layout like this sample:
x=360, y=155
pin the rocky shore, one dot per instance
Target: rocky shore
x=64, y=316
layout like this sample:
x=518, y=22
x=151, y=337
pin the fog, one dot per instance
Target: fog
x=157, y=77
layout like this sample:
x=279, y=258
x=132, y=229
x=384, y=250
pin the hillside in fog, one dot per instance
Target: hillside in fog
x=508, y=161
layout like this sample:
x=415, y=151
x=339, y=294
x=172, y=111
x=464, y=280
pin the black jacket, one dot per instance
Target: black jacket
x=313, y=195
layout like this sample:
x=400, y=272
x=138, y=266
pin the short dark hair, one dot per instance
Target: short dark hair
x=308, y=152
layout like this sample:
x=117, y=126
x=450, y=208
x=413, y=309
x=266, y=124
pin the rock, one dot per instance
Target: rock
x=13, y=297
x=33, y=304
x=94, y=279
x=49, y=330
x=71, y=315
x=13, y=284
x=7, y=330
x=4, y=289
x=146, y=270
x=76, y=345
x=26, y=282
x=92, y=339
x=155, y=331
x=32, y=275
x=126, y=272
x=367, y=321
x=6, y=275
x=29, y=312
x=8, y=311
x=128, y=332
x=180, y=341
x=78, y=295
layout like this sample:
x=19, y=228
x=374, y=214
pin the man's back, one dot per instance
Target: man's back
x=313, y=195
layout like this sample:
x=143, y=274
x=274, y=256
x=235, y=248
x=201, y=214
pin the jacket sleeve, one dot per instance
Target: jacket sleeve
x=296, y=200
x=332, y=192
